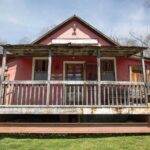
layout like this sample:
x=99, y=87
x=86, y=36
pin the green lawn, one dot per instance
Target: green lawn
x=97, y=142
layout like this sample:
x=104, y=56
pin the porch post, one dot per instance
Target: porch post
x=99, y=76
x=49, y=76
x=2, y=74
x=144, y=77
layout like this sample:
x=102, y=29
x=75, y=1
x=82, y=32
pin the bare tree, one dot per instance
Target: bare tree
x=24, y=40
x=46, y=29
x=2, y=41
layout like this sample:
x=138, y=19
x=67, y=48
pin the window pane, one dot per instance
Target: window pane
x=91, y=72
x=40, y=71
x=107, y=70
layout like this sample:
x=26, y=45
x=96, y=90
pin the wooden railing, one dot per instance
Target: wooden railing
x=74, y=93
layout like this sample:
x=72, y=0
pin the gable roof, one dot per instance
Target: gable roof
x=55, y=29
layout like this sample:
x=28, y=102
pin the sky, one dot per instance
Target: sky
x=28, y=19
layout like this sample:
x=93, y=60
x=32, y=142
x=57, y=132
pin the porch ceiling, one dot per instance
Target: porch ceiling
x=71, y=50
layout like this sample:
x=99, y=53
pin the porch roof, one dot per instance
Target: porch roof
x=71, y=50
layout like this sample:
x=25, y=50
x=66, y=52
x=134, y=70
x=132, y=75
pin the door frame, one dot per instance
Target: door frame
x=73, y=62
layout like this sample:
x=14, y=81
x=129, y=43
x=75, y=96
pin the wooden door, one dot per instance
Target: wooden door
x=74, y=72
x=107, y=70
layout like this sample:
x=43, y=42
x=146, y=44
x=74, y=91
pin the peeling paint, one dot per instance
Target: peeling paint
x=73, y=110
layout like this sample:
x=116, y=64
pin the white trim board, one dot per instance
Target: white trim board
x=71, y=62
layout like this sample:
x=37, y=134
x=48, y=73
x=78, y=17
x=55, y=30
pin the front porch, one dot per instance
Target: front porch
x=73, y=97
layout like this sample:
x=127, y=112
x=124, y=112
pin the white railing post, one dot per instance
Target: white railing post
x=144, y=78
x=2, y=74
x=49, y=76
x=99, y=76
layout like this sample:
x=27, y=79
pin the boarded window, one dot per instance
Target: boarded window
x=148, y=74
x=137, y=74
x=40, y=69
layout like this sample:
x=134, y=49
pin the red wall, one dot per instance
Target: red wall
x=123, y=64
x=21, y=68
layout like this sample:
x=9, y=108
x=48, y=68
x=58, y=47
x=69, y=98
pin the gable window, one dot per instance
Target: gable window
x=40, y=69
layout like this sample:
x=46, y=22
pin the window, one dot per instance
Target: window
x=40, y=69
x=107, y=70
x=148, y=74
x=137, y=73
x=74, y=72
x=91, y=71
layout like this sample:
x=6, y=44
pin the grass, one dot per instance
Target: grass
x=89, y=142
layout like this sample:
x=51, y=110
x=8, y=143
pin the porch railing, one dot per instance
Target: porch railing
x=74, y=93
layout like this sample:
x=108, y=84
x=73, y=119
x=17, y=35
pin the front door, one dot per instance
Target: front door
x=74, y=71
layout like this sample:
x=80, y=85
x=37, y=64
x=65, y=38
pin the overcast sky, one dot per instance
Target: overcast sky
x=28, y=18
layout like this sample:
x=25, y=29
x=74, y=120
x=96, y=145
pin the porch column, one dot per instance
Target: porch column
x=49, y=76
x=144, y=77
x=2, y=74
x=99, y=76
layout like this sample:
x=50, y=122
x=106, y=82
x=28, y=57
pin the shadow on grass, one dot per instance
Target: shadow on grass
x=66, y=136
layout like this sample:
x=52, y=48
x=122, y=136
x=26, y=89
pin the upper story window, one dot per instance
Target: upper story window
x=40, y=69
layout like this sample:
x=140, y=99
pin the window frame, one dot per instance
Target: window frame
x=33, y=64
x=115, y=64
x=73, y=62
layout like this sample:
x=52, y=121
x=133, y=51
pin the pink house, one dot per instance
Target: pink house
x=75, y=73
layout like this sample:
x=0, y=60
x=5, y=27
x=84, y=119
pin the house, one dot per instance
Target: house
x=75, y=74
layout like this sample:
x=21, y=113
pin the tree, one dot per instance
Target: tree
x=24, y=40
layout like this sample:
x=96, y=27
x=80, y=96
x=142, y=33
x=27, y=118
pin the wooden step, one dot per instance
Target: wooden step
x=74, y=128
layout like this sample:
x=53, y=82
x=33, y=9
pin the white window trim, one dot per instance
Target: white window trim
x=71, y=62
x=83, y=62
x=130, y=73
x=33, y=63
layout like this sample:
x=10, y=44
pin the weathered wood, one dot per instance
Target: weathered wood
x=95, y=97
x=57, y=97
x=144, y=77
x=123, y=93
x=91, y=95
x=49, y=76
x=99, y=77
x=74, y=82
x=86, y=88
x=71, y=50
x=74, y=95
x=3, y=64
x=2, y=74
x=112, y=94
x=30, y=94
x=78, y=93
